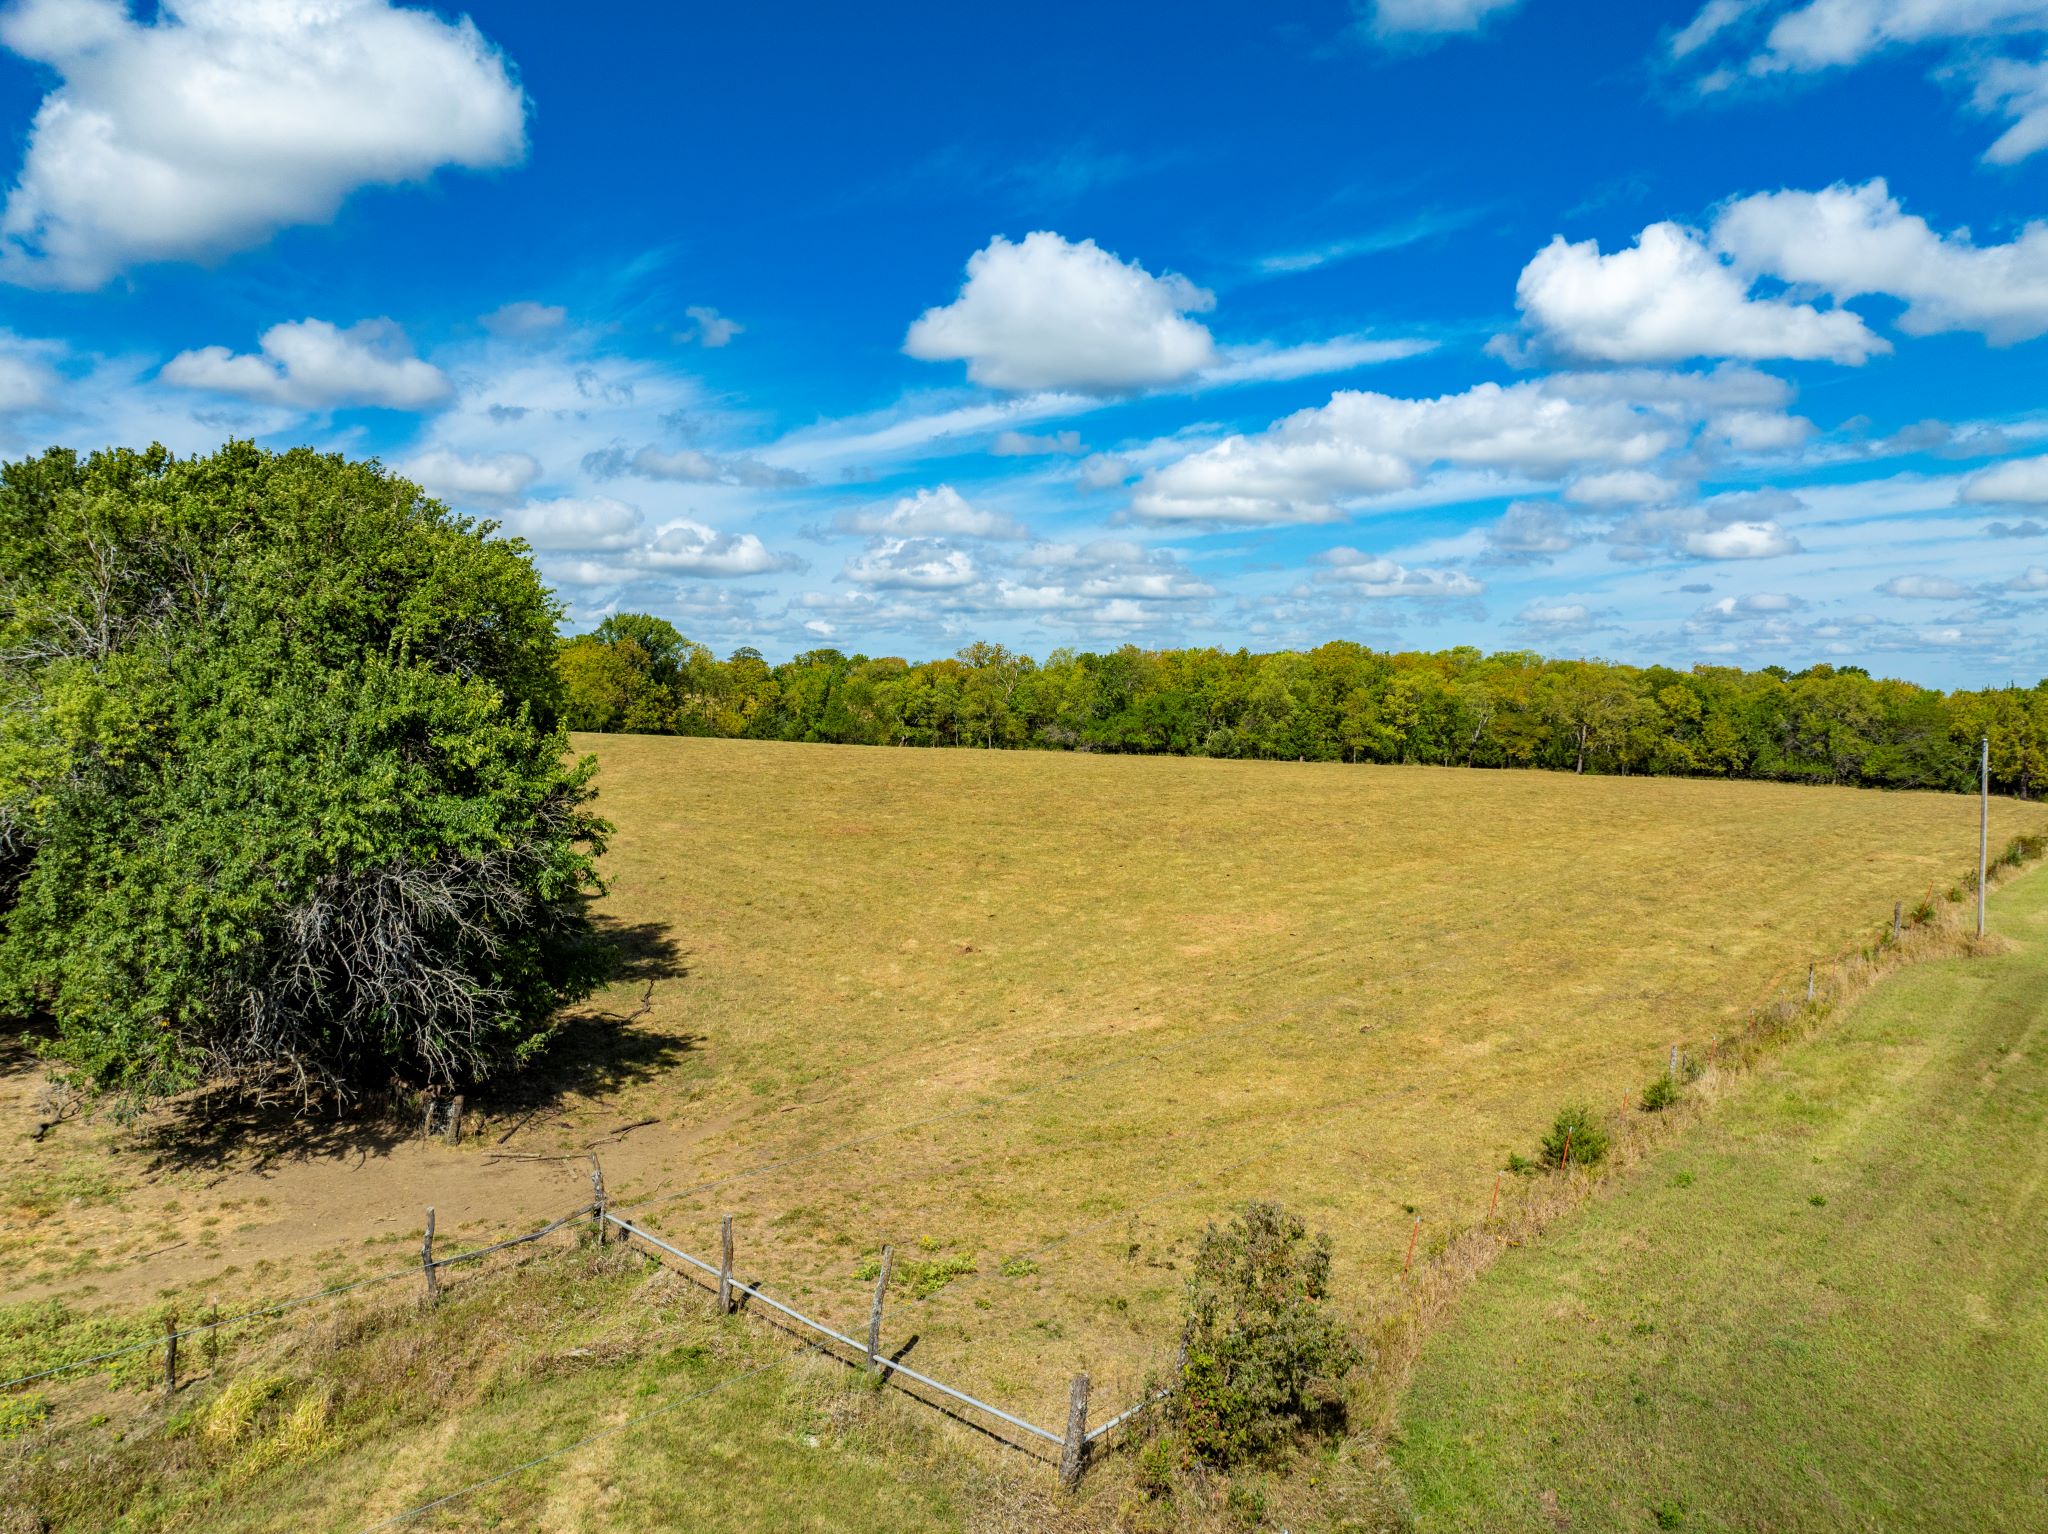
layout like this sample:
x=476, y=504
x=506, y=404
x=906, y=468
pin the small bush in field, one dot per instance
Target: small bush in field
x=1262, y=1355
x=1660, y=1094
x=1576, y=1134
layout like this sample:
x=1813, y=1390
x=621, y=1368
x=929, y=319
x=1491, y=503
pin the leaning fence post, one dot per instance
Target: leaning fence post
x=875, y=1313
x=171, y=1354
x=725, y=1272
x=1898, y=918
x=455, y=1120
x=597, y=1195
x=433, y=1278
x=1074, y=1447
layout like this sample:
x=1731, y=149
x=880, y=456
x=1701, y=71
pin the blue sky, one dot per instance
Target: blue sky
x=1702, y=331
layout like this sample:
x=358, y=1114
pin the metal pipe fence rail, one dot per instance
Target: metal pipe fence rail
x=1074, y=1444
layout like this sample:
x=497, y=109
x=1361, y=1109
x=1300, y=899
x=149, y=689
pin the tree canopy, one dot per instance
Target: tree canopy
x=284, y=791
x=1337, y=702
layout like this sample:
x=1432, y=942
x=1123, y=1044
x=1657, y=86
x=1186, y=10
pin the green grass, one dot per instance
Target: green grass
x=1824, y=1307
x=368, y=1410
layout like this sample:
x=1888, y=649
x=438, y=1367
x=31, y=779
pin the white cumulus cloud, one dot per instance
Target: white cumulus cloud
x=314, y=365
x=1669, y=297
x=217, y=122
x=1047, y=313
x=1306, y=467
x=1848, y=241
x=690, y=548
x=1741, y=540
x=912, y=564
x=1374, y=575
x=594, y=522
x=492, y=477
x=2020, y=481
x=938, y=513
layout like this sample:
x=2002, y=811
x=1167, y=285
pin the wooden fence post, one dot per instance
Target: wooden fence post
x=426, y=1118
x=1074, y=1447
x=725, y=1271
x=455, y=1120
x=1809, y=984
x=875, y=1314
x=597, y=1195
x=171, y=1354
x=210, y=1349
x=433, y=1278
x=1898, y=918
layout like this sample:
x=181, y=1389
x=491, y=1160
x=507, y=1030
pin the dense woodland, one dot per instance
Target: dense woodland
x=1338, y=702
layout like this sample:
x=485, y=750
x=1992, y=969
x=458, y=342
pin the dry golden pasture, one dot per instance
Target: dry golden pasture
x=1050, y=1014
x=1045, y=1015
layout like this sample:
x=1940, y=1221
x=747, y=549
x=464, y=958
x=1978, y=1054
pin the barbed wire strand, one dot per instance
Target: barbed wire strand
x=281, y=1306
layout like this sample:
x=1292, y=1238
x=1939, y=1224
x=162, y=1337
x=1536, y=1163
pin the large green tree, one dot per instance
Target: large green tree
x=283, y=789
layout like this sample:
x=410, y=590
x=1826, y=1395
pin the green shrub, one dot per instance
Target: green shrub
x=1574, y=1132
x=1660, y=1094
x=1262, y=1356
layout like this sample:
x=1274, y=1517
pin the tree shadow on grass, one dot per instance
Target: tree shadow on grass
x=594, y=1052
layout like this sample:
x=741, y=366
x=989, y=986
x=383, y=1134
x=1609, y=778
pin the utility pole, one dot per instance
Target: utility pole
x=1983, y=828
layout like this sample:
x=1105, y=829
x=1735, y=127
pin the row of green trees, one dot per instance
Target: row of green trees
x=1338, y=702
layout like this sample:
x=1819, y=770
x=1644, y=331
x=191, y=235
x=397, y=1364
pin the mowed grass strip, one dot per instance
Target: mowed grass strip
x=1824, y=1308
x=1115, y=996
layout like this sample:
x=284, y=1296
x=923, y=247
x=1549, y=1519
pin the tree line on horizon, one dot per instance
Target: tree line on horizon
x=1337, y=702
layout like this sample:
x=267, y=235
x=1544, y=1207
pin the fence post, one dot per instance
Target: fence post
x=875, y=1314
x=1809, y=984
x=210, y=1349
x=1898, y=918
x=1983, y=833
x=455, y=1120
x=725, y=1270
x=171, y=1354
x=1074, y=1448
x=433, y=1278
x=1411, y=1246
x=426, y=1118
x=597, y=1195
x=1673, y=1072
